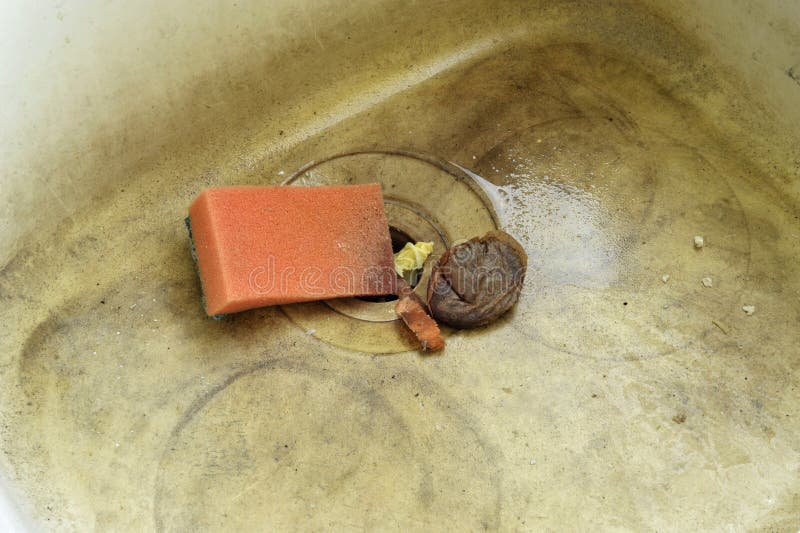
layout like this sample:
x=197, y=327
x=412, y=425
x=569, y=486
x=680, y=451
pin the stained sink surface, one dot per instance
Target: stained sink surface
x=604, y=137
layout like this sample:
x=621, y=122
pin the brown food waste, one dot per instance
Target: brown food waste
x=472, y=284
x=412, y=310
x=477, y=281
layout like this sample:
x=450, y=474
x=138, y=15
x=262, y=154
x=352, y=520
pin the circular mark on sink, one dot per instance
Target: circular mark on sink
x=604, y=211
x=426, y=199
x=283, y=462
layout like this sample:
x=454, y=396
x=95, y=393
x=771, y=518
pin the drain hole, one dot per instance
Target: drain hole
x=399, y=239
x=378, y=299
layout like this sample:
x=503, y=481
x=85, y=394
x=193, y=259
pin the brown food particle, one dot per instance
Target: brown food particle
x=412, y=310
x=475, y=282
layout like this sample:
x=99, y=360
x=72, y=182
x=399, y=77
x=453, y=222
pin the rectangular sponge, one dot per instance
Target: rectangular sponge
x=259, y=246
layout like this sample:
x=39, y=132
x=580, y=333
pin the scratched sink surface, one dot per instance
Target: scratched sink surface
x=604, y=139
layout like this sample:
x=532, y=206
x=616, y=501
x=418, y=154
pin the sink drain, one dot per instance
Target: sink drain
x=399, y=240
x=425, y=199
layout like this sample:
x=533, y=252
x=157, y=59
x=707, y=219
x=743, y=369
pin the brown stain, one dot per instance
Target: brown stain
x=356, y=394
x=657, y=96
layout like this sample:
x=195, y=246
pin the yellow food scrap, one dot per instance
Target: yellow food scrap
x=412, y=257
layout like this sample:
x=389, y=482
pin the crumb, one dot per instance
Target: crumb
x=412, y=257
x=749, y=309
x=507, y=390
x=699, y=241
x=707, y=282
x=680, y=418
x=665, y=278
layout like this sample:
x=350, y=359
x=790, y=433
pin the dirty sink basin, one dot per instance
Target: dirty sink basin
x=621, y=393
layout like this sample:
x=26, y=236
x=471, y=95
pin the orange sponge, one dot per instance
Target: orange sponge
x=259, y=246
